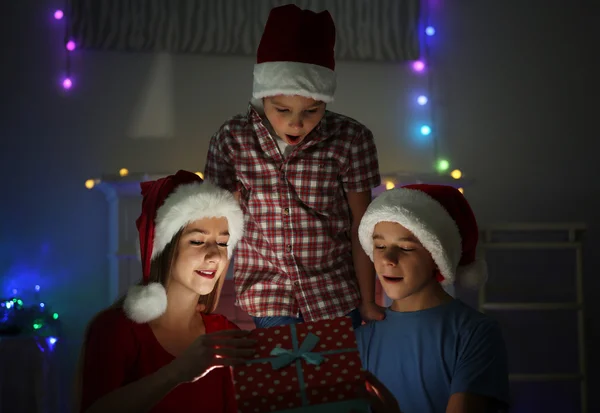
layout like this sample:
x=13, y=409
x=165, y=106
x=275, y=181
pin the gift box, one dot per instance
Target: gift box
x=302, y=367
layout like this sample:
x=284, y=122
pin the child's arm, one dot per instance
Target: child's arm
x=219, y=167
x=472, y=403
x=365, y=271
x=480, y=380
x=380, y=398
x=359, y=177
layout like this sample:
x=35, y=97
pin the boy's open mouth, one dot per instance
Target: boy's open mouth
x=293, y=139
x=391, y=279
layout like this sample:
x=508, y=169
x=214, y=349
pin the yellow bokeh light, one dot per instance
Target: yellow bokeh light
x=123, y=171
x=389, y=185
x=89, y=184
x=461, y=190
x=456, y=174
x=200, y=174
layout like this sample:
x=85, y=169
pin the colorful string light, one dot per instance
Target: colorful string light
x=67, y=80
x=423, y=66
x=36, y=320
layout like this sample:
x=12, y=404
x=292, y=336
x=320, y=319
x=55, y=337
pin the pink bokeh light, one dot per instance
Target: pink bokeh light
x=418, y=66
x=67, y=83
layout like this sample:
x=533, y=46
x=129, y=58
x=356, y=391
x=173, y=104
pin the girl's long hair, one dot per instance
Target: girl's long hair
x=160, y=271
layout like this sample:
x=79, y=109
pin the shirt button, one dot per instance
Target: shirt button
x=289, y=248
x=286, y=211
x=296, y=283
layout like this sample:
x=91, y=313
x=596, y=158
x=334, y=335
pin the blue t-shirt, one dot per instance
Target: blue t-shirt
x=423, y=357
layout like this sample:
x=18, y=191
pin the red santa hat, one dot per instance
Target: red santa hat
x=295, y=55
x=168, y=205
x=441, y=219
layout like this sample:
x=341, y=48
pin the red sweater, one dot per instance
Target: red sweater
x=119, y=352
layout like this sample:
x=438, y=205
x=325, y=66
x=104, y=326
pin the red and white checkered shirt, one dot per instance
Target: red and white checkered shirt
x=296, y=254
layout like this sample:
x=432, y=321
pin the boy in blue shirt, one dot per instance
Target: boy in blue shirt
x=434, y=353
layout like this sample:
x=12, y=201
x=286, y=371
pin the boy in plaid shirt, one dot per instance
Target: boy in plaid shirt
x=303, y=176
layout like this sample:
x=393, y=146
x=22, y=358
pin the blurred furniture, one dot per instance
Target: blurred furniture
x=536, y=277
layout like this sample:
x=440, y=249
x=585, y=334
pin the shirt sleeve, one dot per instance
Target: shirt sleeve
x=108, y=355
x=482, y=366
x=219, y=167
x=362, y=171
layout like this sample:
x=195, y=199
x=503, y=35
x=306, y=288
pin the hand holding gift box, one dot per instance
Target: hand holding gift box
x=304, y=366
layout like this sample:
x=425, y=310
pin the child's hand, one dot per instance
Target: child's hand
x=209, y=351
x=370, y=311
x=380, y=398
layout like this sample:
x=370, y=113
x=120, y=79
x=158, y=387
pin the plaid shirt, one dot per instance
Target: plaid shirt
x=296, y=254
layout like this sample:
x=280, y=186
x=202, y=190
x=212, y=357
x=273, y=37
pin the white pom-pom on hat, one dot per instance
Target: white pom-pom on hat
x=474, y=274
x=145, y=303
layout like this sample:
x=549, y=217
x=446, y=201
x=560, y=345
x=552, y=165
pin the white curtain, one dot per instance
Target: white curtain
x=367, y=30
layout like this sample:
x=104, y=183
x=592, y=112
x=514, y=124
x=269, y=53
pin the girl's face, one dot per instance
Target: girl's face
x=202, y=255
x=293, y=117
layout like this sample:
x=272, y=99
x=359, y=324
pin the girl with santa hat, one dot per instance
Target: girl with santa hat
x=160, y=348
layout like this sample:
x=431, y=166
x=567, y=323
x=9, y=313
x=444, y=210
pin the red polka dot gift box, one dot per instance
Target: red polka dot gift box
x=309, y=367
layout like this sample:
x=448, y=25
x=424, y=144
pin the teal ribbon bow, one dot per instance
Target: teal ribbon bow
x=284, y=357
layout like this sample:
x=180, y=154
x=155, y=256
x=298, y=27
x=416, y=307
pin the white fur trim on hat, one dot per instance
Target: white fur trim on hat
x=422, y=215
x=145, y=303
x=190, y=202
x=294, y=78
